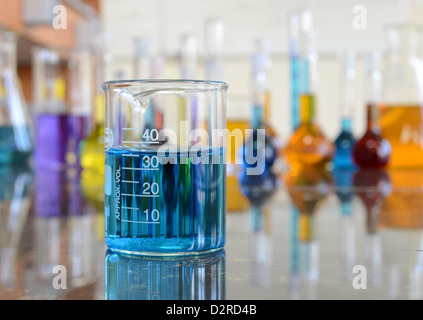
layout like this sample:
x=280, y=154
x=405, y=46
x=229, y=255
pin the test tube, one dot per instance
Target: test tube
x=142, y=61
x=81, y=97
x=188, y=56
x=214, y=40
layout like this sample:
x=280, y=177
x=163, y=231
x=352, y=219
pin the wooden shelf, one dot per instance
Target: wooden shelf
x=43, y=35
x=47, y=36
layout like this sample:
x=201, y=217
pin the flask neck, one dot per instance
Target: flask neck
x=307, y=108
x=373, y=118
x=8, y=51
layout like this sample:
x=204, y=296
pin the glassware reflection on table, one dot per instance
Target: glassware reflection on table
x=344, y=189
x=307, y=190
x=50, y=213
x=16, y=132
x=81, y=239
x=201, y=277
x=401, y=228
x=345, y=141
x=372, y=150
x=59, y=206
x=259, y=189
x=401, y=119
x=15, y=202
x=372, y=186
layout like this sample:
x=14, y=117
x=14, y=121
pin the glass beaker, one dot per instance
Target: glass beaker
x=165, y=189
x=15, y=125
x=401, y=119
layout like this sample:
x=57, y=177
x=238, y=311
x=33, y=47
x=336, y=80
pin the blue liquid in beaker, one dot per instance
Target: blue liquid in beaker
x=158, y=207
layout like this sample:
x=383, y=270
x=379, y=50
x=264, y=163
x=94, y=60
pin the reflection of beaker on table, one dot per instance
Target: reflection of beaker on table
x=372, y=186
x=15, y=200
x=259, y=189
x=200, y=277
x=307, y=190
x=343, y=182
x=401, y=229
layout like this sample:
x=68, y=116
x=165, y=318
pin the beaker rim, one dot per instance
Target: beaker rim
x=184, y=84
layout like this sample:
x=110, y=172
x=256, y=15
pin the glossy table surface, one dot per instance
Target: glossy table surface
x=309, y=235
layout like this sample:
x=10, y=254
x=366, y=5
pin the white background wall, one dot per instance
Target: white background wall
x=245, y=20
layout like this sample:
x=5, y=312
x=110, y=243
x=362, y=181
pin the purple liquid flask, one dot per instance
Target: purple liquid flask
x=51, y=124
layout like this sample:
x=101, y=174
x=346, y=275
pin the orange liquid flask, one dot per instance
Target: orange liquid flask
x=401, y=119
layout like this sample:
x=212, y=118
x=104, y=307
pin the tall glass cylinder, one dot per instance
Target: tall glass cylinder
x=81, y=101
x=214, y=35
x=401, y=118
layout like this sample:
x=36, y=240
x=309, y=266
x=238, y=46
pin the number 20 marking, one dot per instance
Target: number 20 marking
x=151, y=189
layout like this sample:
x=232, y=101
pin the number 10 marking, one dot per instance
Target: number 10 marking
x=154, y=215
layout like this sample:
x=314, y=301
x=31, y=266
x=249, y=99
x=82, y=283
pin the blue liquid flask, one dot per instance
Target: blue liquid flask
x=261, y=141
x=345, y=142
x=344, y=146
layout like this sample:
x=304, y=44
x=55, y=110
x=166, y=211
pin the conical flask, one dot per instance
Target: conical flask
x=401, y=120
x=15, y=133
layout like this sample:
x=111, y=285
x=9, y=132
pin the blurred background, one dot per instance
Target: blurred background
x=164, y=22
x=329, y=65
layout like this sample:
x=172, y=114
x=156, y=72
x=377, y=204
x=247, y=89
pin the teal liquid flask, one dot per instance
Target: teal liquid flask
x=165, y=190
x=345, y=141
x=16, y=140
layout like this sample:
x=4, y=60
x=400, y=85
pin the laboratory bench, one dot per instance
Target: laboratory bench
x=304, y=235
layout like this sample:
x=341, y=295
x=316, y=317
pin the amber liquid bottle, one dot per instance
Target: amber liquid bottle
x=401, y=119
x=308, y=147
